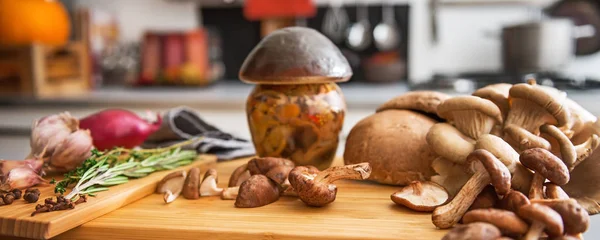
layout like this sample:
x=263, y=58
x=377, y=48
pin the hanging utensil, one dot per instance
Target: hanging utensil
x=335, y=21
x=386, y=34
x=359, y=34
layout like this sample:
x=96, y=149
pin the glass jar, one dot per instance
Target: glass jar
x=299, y=122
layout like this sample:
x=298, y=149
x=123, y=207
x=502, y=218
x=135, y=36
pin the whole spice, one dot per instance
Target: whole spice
x=17, y=193
x=118, y=128
x=8, y=198
x=61, y=203
x=31, y=195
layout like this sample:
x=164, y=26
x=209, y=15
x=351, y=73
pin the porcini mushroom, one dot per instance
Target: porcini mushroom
x=486, y=169
x=531, y=107
x=421, y=196
x=257, y=191
x=209, y=187
x=542, y=217
x=508, y=222
x=239, y=175
x=498, y=94
x=521, y=176
x=576, y=220
x=191, y=184
x=546, y=166
x=513, y=201
x=171, y=185
x=448, y=142
x=473, y=116
x=554, y=191
x=478, y=230
x=317, y=189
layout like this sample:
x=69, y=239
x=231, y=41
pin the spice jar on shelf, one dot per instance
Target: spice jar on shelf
x=297, y=110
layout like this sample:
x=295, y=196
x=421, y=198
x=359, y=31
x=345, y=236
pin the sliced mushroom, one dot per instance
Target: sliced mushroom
x=521, y=176
x=473, y=116
x=421, y=196
x=508, y=222
x=239, y=175
x=192, y=184
x=531, y=107
x=498, y=94
x=452, y=176
x=317, y=189
x=542, y=217
x=513, y=201
x=478, y=230
x=209, y=187
x=576, y=220
x=554, y=191
x=230, y=193
x=257, y=191
x=486, y=169
x=486, y=199
x=546, y=166
x=448, y=142
x=171, y=185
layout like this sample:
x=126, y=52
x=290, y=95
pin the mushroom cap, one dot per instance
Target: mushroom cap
x=466, y=103
x=421, y=196
x=576, y=220
x=513, y=201
x=537, y=212
x=172, y=181
x=543, y=98
x=257, y=191
x=565, y=147
x=477, y=230
x=446, y=141
x=375, y=139
x=507, y=221
x=312, y=193
x=546, y=164
x=191, y=184
x=295, y=55
x=499, y=173
x=279, y=173
x=239, y=175
x=422, y=101
x=500, y=149
x=497, y=93
x=262, y=165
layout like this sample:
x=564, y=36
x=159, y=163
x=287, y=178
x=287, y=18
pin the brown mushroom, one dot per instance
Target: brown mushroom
x=375, y=138
x=486, y=199
x=521, y=176
x=508, y=222
x=448, y=142
x=239, y=175
x=486, y=169
x=421, y=196
x=317, y=189
x=563, y=147
x=265, y=164
x=191, y=184
x=421, y=101
x=583, y=183
x=209, y=187
x=531, y=107
x=542, y=217
x=230, y=193
x=576, y=220
x=580, y=118
x=513, y=201
x=295, y=55
x=257, y=191
x=171, y=185
x=279, y=174
x=554, y=191
x=498, y=94
x=546, y=166
x=473, y=116
x=478, y=230
x=523, y=139
x=450, y=175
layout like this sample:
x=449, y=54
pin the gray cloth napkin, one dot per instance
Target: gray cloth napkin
x=181, y=124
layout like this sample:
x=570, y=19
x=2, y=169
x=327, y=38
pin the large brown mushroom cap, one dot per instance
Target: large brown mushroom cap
x=295, y=55
x=393, y=142
x=422, y=101
x=506, y=221
x=257, y=191
x=546, y=164
x=549, y=218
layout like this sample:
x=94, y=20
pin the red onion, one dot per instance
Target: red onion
x=118, y=128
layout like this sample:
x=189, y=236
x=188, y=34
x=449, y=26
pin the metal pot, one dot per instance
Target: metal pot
x=545, y=45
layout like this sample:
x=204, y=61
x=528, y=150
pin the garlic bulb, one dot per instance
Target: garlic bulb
x=72, y=151
x=48, y=132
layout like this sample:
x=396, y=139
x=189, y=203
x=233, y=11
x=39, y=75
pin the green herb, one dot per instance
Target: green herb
x=104, y=169
x=52, y=181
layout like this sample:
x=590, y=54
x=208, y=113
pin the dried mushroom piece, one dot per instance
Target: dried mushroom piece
x=421, y=196
x=257, y=191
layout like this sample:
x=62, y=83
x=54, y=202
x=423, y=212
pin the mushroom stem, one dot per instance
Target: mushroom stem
x=584, y=150
x=567, y=150
x=535, y=231
x=521, y=139
x=448, y=215
x=230, y=193
x=537, y=184
x=354, y=171
x=554, y=191
x=288, y=190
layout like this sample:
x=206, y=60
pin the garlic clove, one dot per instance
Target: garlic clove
x=21, y=178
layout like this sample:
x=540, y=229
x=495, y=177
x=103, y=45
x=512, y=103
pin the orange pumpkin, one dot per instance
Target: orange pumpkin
x=33, y=21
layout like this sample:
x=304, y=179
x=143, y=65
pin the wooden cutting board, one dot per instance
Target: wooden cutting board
x=16, y=219
x=361, y=211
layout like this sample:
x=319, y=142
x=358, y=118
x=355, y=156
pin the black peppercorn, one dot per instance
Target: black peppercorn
x=31, y=197
x=17, y=193
x=8, y=198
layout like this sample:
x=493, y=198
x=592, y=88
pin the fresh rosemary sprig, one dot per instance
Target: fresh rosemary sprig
x=117, y=166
